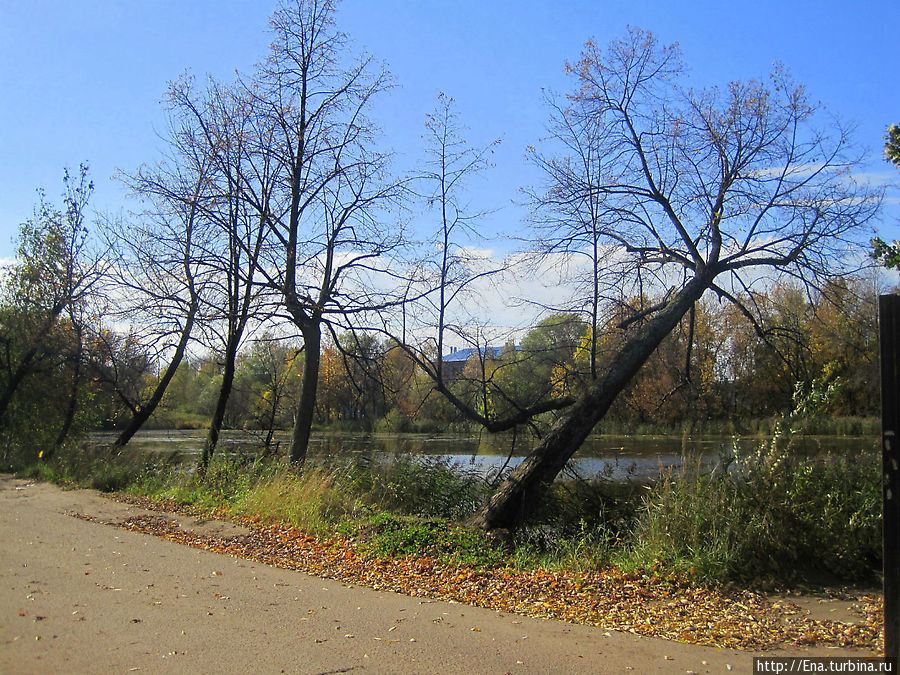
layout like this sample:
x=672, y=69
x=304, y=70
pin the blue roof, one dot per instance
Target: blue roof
x=464, y=354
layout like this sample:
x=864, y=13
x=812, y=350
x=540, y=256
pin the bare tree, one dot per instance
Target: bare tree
x=238, y=186
x=704, y=191
x=329, y=184
x=443, y=294
x=160, y=276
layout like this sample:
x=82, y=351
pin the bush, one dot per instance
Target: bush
x=394, y=422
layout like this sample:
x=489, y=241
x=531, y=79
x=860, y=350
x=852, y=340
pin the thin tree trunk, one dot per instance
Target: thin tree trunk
x=312, y=343
x=142, y=413
x=215, y=424
x=517, y=497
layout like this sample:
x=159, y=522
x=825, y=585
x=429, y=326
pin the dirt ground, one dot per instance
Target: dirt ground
x=85, y=597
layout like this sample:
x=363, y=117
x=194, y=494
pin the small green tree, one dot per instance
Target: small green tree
x=42, y=299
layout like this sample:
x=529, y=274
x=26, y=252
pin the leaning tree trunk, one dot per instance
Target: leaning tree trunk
x=312, y=342
x=23, y=369
x=142, y=413
x=517, y=497
x=218, y=418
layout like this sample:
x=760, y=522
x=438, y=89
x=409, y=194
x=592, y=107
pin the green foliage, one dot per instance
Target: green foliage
x=393, y=422
x=892, y=145
x=388, y=535
x=580, y=522
x=425, y=487
x=227, y=482
x=885, y=253
x=775, y=518
x=43, y=296
x=321, y=498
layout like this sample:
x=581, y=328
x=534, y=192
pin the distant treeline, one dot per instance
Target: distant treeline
x=714, y=373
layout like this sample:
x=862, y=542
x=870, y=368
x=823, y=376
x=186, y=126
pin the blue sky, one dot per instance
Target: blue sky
x=81, y=81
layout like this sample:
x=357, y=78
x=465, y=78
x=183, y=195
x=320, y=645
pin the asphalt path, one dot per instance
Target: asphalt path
x=86, y=597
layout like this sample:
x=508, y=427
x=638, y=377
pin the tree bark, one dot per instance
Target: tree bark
x=312, y=342
x=517, y=497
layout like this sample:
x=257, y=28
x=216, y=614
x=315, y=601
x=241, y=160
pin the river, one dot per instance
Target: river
x=616, y=457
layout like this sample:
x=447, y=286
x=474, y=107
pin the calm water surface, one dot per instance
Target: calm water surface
x=617, y=457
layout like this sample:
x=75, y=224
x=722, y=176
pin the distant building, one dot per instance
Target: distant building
x=455, y=361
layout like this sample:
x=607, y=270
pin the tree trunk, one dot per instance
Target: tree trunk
x=72, y=402
x=312, y=343
x=517, y=497
x=142, y=413
x=215, y=424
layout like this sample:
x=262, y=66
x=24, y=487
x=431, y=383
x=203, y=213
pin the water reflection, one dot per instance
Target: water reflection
x=616, y=457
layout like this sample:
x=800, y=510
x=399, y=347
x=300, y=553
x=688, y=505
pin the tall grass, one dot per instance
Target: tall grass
x=771, y=513
x=313, y=501
x=771, y=517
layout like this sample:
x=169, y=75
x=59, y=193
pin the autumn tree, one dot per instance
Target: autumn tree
x=547, y=357
x=687, y=379
x=219, y=123
x=699, y=191
x=160, y=277
x=844, y=343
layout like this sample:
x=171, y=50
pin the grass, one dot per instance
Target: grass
x=387, y=535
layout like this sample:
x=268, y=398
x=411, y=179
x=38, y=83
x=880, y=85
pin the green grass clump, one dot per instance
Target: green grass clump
x=388, y=535
x=425, y=487
x=321, y=497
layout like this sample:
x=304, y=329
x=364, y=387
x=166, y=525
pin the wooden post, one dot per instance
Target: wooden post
x=889, y=316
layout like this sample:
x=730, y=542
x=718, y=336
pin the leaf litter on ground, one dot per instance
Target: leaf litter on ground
x=641, y=603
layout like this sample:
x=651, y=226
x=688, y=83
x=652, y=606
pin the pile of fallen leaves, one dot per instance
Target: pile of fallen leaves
x=646, y=604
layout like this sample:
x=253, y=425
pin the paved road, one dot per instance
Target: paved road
x=84, y=597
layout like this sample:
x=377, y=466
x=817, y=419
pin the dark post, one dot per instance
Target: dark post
x=889, y=315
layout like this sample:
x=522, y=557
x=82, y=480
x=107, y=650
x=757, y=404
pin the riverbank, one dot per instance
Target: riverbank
x=93, y=594
x=768, y=519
